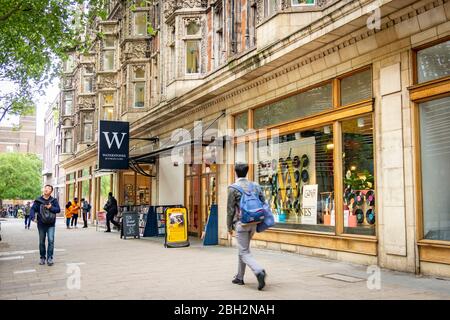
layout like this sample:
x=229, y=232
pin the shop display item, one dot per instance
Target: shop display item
x=370, y=216
x=359, y=215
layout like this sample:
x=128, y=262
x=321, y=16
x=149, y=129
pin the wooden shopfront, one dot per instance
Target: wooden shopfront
x=313, y=154
x=430, y=98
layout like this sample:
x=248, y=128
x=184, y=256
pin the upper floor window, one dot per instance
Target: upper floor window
x=69, y=64
x=88, y=126
x=270, y=7
x=218, y=35
x=139, y=87
x=192, y=45
x=68, y=103
x=108, y=106
x=108, y=54
x=433, y=62
x=303, y=2
x=140, y=24
x=88, y=79
x=67, y=144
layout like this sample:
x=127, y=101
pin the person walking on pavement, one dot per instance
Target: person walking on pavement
x=86, y=208
x=20, y=213
x=27, y=216
x=111, y=211
x=68, y=214
x=75, y=208
x=44, y=212
x=244, y=232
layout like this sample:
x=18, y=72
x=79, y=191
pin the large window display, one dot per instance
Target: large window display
x=358, y=173
x=435, y=158
x=296, y=174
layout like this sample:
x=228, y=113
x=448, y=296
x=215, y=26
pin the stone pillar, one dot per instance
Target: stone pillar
x=394, y=165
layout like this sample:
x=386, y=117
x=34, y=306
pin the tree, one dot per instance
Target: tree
x=20, y=176
x=34, y=38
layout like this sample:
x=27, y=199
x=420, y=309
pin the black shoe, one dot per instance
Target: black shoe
x=238, y=281
x=108, y=231
x=261, y=280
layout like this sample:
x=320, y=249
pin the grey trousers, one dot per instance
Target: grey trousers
x=244, y=235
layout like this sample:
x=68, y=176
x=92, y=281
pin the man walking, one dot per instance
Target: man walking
x=27, y=216
x=86, y=208
x=111, y=211
x=45, y=209
x=244, y=232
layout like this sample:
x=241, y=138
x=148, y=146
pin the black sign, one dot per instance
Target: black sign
x=130, y=225
x=113, y=145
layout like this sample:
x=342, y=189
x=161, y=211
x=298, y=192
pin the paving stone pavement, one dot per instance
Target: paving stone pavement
x=112, y=268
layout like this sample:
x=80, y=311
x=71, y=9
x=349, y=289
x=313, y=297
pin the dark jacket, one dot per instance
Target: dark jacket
x=111, y=206
x=234, y=199
x=35, y=207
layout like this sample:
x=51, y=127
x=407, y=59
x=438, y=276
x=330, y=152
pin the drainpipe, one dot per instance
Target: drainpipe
x=233, y=29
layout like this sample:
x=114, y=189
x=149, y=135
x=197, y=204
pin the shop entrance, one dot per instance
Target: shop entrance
x=201, y=194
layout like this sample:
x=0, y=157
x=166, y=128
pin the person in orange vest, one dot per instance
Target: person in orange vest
x=75, y=208
x=68, y=214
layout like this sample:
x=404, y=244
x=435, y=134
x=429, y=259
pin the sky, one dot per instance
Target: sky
x=42, y=103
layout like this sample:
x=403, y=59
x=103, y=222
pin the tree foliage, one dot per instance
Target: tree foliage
x=34, y=36
x=20, y=176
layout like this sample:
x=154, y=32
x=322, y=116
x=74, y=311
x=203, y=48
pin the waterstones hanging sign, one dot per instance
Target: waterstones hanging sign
x=113, y=145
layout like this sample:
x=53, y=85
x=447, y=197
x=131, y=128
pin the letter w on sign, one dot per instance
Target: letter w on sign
x=115, y=138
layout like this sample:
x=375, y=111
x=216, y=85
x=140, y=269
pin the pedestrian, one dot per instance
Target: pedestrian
x=86, y=208
x=68, y=214
x=111, y=211
x=75, y=208
x=44, y=212
x=20, y=213
x=244, y=232
x=27, y=216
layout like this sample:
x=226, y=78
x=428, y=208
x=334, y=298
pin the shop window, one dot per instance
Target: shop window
x=434, y=62
x=108, y=54
x=85, y=189
x=140, y=24
x=192, y=56
x=301, y=105
x=303, y=2
x=435, y=160
x=241, y=122
x=88, y=127
x=296, y=174
x=128, y=188
x=68, y=103
x=241, y=153
x=356, y=87
x=105, y=188
x=358, y=173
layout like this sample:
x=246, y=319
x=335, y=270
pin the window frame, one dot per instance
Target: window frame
x=135, y=14
x=198, y=39
x=333, y=117
x=134, y=81
x=109, y=49
x=419, y=93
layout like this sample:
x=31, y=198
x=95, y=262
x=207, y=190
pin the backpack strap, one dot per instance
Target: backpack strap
x=237, y=187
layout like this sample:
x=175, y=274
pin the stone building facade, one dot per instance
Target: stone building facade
x=353, y=95
x=22, y=139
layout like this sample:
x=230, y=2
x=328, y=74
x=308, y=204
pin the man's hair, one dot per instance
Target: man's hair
x=82, y=199
x=48, y=185
x=241, y=169
x=76, y=199
x=110, y=194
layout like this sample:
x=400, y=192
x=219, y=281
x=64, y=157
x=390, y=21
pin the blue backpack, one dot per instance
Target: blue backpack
x=252, y=208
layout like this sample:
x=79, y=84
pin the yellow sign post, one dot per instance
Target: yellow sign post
x=176, y=228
